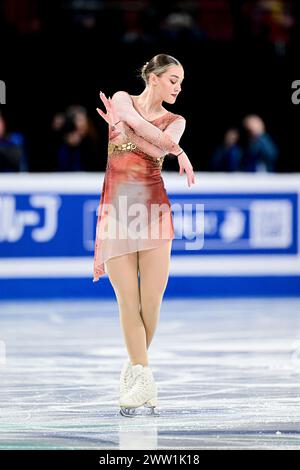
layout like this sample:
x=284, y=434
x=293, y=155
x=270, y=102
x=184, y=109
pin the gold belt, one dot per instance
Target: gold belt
x=126, y=147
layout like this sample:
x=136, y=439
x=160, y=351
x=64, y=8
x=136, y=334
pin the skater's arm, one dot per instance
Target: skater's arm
x=174, y=131
x=127, y=113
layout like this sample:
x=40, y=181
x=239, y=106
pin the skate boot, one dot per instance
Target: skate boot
x=126, y=380
x=143, y=391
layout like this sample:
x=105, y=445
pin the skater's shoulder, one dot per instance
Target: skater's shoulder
x=122, y=94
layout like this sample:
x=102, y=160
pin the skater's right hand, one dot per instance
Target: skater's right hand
x=112, y=116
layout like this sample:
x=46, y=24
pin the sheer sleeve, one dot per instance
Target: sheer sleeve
x=128, y=114
x=173, y=130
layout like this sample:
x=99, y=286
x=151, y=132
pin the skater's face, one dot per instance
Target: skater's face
x=169, y=83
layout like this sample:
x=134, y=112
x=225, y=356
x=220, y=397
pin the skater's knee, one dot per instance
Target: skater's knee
x=151, y=304
x=152, y=287
x=152, y=296
x=129, y=302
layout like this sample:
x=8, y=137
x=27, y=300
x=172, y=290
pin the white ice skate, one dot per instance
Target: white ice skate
x=126, y=380
x=142, y=391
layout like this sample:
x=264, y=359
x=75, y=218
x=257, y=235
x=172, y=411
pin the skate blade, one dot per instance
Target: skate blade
x=151, y=411
x=128, y=412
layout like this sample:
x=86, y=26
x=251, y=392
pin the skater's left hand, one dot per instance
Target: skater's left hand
x=112, y=116
x=186, y=166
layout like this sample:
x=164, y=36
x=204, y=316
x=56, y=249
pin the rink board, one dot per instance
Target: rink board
x=235, y=235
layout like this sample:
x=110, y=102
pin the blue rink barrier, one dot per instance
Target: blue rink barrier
x=235, y=235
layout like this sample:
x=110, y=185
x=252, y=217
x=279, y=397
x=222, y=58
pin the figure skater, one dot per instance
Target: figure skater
x=136, y=253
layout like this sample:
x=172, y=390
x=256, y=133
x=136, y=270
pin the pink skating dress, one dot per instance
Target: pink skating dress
x=134, y=212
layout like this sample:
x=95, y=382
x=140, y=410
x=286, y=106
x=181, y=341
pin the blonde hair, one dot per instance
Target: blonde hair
x=158, y=65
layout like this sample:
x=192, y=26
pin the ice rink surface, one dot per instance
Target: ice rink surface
x=228, y=375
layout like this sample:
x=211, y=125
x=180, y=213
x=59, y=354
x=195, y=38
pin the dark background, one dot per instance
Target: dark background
x=237, y=61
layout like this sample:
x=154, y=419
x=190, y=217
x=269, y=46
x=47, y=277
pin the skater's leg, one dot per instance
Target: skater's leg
x=154, y=265
x=123, y=275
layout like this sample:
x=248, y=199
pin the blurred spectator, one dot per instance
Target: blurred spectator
x=22, y=14
x=215, y=18
x=227, y=157
x=55, y=138
x=272, y=21
x=181, y=25
x=261, y=153
x=134, y=28
x=12, y=154
x=76, y=140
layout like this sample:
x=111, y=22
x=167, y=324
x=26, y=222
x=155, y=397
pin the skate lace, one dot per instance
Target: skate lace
x=126, y=377
x=141, y=382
